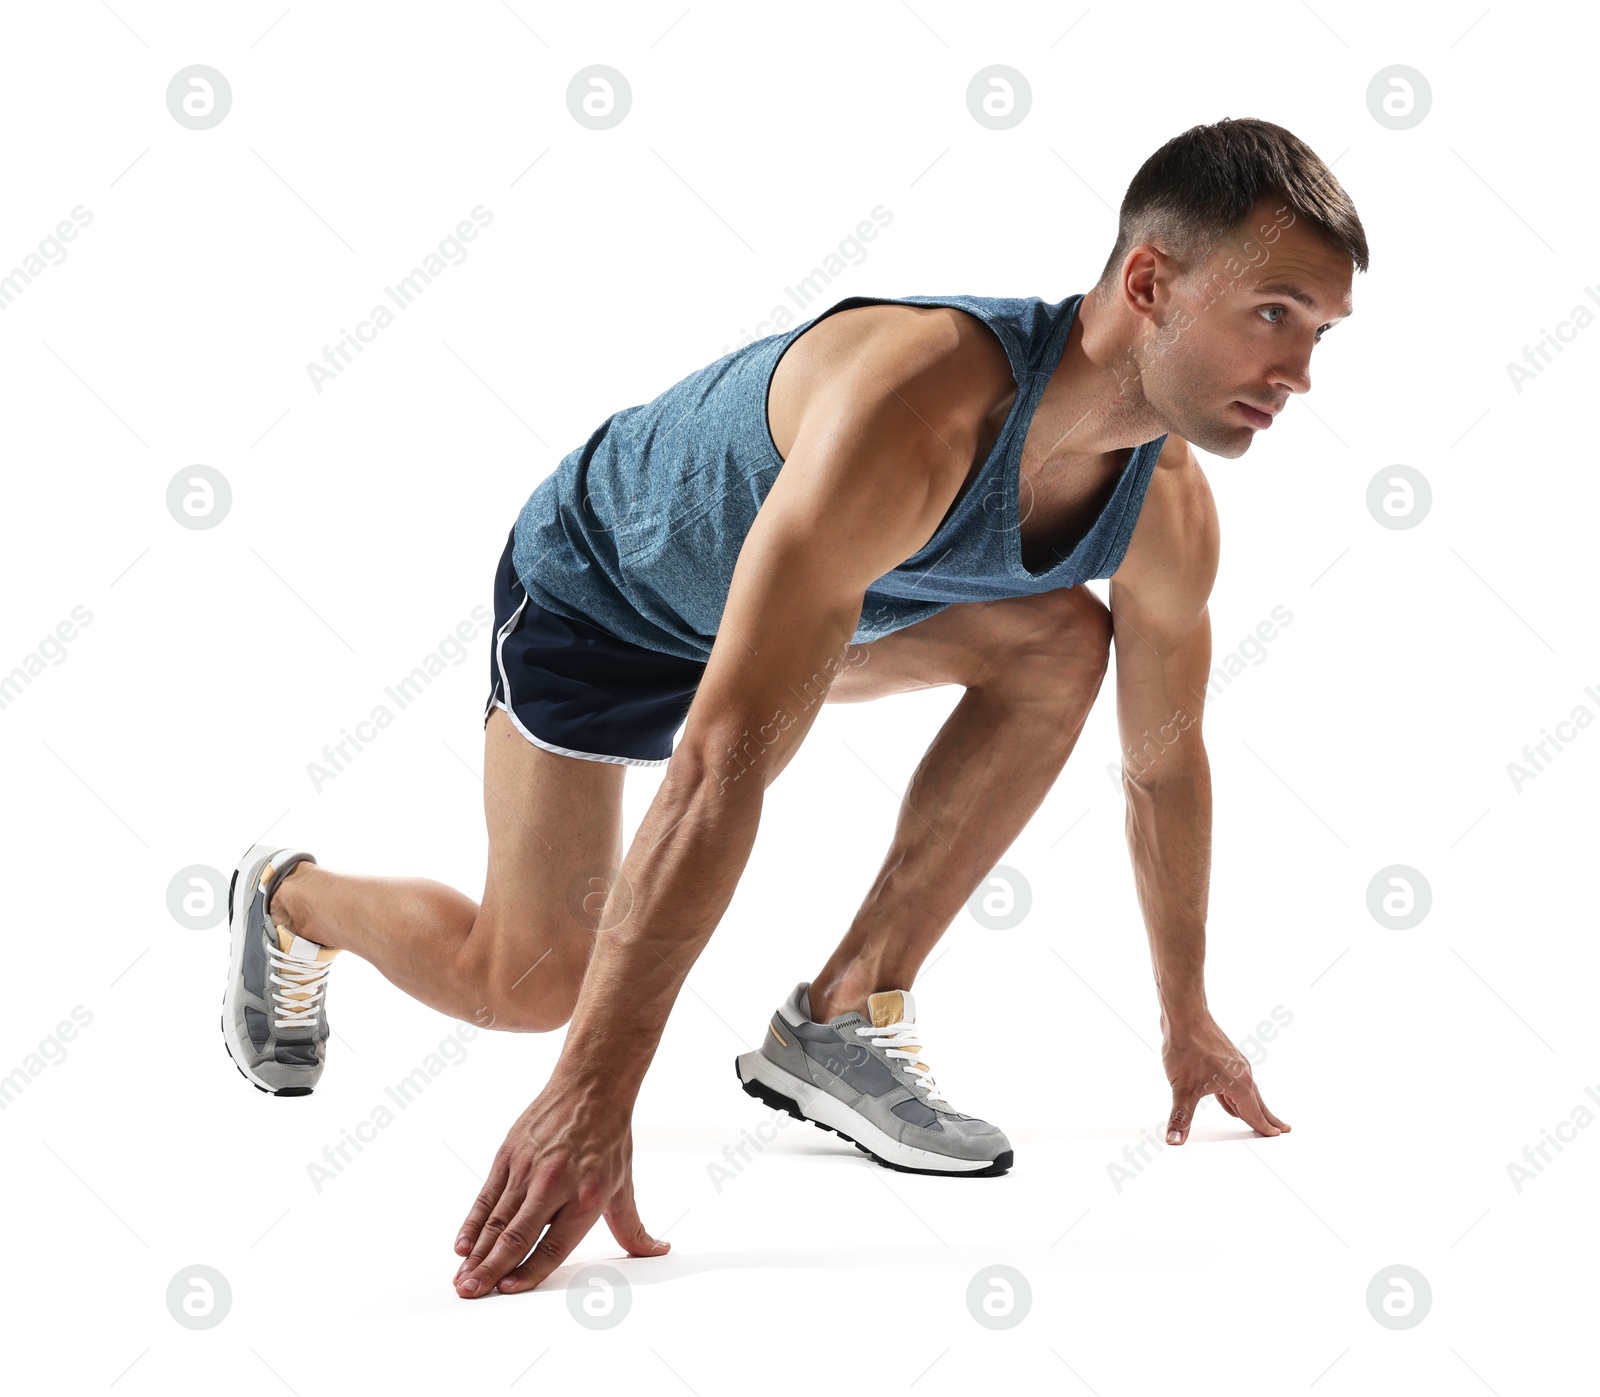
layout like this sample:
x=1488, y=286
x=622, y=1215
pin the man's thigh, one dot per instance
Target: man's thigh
x=544, y=812
x=555, y=845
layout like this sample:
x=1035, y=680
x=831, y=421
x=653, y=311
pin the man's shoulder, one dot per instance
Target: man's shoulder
x=933, y=371
x=1177, y=539
x=943, y=348
x=1179, y=489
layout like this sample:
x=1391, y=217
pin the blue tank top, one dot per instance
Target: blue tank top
x=637, y=531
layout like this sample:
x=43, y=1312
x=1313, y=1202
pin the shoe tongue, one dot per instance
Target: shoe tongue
x=891, y=1006
x=894, y=1006
x=306, y=952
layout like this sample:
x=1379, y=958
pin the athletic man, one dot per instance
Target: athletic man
x=893, y=495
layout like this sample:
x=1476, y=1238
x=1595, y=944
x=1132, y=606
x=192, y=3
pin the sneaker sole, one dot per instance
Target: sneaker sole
x=783, y=1091
x=251, y=865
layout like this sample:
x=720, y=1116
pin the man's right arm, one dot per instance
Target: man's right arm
x=881, y=450
x=882, y=447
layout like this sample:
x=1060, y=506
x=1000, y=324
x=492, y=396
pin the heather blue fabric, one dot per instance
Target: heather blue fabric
x=638, y=529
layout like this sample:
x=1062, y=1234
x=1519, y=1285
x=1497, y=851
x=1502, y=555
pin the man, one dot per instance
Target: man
x=895, y=494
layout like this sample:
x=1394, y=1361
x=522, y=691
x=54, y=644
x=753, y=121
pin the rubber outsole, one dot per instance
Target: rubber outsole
x=222, y=1024
x=769, y=1096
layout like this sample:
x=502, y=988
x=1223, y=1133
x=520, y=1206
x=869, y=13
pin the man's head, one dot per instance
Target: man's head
x=1235, y=250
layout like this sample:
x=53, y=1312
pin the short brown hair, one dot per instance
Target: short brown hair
x=1200, y=186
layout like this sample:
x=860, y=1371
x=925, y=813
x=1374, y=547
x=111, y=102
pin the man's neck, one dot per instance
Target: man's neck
x=1094, y=400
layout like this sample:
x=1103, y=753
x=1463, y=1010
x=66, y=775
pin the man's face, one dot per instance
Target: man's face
x=1239, y=329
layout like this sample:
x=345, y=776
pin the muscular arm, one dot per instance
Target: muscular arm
x=862, y=489
x=1162, y=634
x=878, y=453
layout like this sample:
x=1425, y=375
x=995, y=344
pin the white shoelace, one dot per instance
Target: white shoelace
x=897, y=1039
x=299, y=975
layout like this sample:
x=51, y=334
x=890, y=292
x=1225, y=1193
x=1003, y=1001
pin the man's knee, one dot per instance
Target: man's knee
x=522, y=990
x=537, y=1012
x=522, y=1017
x=1067, y=629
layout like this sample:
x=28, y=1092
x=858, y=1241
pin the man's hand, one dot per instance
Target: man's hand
x=1201, y=1061
x=567, y=1161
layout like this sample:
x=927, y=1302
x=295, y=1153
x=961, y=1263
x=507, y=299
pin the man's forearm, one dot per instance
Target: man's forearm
x=1169, y=841
x=676, y=882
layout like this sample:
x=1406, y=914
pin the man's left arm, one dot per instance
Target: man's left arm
x=1162, y=634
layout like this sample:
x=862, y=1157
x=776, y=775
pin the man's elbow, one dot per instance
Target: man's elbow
x=1172, y=754
x=721, y=762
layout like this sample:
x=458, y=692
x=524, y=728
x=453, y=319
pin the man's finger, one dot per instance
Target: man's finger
x=493, y=1186
x=516, y=1239
x=1254, y=1114
x=1182, y=1117
x=501, y=1217
x=1282, y=1125
x=569, y=1227
x=1227, y=1105
x=622, y=1217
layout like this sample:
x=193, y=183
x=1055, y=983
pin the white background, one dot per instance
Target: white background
x=365, y=524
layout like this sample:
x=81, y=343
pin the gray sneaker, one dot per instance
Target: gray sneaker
x=867, y=1082
x=274, y=1014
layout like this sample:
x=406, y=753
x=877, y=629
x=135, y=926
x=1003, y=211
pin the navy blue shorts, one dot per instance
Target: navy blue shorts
x=573, y=688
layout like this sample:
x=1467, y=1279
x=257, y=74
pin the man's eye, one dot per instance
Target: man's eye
x=1283, y=310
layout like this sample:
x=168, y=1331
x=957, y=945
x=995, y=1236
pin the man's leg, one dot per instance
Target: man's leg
x=1032, y=667
x=516, y=960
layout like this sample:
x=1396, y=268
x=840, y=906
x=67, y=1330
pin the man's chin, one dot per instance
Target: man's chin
x=1229, y=442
